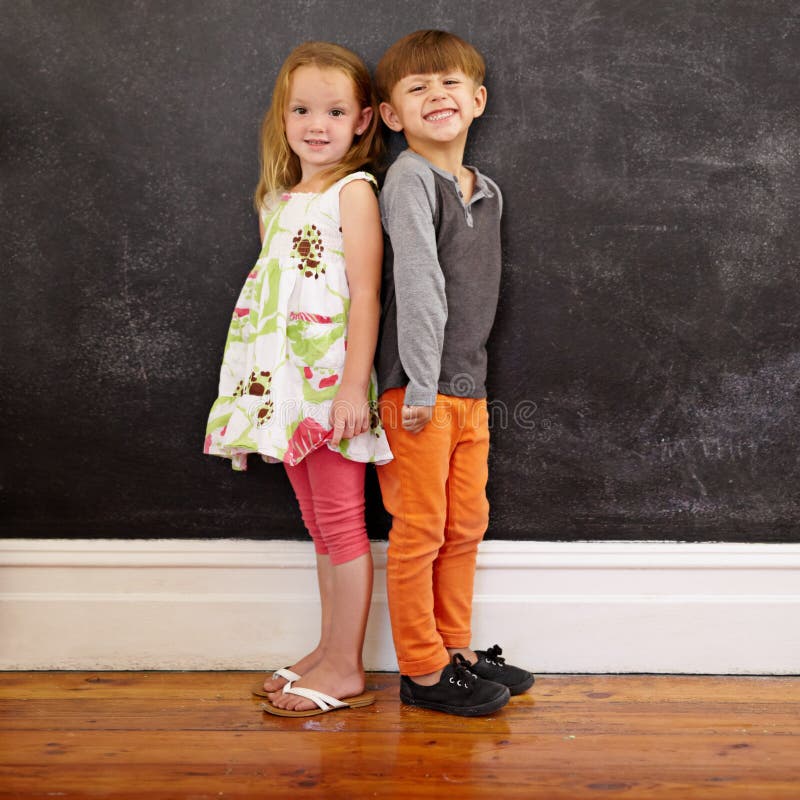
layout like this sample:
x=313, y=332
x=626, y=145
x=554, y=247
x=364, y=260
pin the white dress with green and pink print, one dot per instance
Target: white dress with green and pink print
x=285, y=350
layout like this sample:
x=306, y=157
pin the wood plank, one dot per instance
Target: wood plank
x=275, y=746
x=253, y=785
x=532, y=718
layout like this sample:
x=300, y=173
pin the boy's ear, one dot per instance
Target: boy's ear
x=390, y=118
x=364, y=118
x=480, y=100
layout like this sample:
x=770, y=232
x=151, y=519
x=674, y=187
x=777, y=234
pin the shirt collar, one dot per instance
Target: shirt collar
x=482, y=188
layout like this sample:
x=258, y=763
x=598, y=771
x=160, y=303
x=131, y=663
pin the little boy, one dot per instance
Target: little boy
x=441, y=284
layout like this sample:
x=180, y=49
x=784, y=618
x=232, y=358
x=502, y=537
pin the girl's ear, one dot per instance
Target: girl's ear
x=390, y=118
x=364, y=118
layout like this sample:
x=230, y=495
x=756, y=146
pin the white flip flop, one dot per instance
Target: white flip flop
x=323, y=701
x=283, y=672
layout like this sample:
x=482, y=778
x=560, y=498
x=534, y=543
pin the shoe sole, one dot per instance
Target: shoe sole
x=460, y=711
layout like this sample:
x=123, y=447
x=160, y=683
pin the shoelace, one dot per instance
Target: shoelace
x=461, y=675
x=494, y=656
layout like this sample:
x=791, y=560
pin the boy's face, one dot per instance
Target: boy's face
x=434, y=109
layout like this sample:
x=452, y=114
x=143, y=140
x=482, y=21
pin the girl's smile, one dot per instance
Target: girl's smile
x=322, y=118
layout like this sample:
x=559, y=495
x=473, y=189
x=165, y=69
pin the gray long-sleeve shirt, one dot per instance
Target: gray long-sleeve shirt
x=441, y=281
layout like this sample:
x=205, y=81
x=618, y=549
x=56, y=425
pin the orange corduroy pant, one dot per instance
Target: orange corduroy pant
x=435, y=490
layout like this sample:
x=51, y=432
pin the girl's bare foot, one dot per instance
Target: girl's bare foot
x=275, y=685
x=338, y=681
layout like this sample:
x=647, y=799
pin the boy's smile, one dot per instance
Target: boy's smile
x=436, y=116
x=434, y=111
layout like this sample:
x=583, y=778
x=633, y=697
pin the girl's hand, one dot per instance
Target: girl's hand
x=349, y=413
x=415, y=418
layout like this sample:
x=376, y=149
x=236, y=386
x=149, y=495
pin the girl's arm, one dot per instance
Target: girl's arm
x=363, y=254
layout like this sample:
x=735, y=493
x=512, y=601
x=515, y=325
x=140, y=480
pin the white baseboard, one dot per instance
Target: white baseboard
x=659, y=607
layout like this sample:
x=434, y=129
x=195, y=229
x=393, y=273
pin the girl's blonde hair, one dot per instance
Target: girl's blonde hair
x=280, y=167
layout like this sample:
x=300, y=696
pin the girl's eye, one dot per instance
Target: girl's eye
x=337, y=112
x=299, y=110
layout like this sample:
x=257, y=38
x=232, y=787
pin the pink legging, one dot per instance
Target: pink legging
x=330, y=491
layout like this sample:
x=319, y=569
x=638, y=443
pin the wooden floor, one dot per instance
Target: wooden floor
x=201, y=735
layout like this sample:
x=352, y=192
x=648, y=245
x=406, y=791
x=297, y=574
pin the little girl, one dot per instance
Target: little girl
x=297, y=383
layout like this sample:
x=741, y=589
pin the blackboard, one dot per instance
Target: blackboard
x=645, y=360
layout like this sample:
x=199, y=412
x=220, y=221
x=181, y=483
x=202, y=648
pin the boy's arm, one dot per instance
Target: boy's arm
x=407, y=205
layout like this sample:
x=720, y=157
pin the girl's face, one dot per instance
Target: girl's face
x=322, y=117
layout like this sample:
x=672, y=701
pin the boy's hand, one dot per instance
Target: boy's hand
x=349, y=414
x=415, y=418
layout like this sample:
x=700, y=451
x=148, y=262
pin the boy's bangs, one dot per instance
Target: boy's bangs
x=444, y=56
x=424, y=53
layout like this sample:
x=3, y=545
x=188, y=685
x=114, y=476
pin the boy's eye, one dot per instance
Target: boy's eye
x=417, y=88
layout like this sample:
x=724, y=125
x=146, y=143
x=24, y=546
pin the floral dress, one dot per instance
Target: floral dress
x=285, y=350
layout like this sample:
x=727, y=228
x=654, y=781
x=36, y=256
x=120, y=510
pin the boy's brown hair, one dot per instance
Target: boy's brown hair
x=425, y=52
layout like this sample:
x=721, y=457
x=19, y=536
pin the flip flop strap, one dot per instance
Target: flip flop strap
x=324, y=701
x=286, y=673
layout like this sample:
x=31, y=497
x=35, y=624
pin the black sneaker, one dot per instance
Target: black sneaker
x=491, y=666
x=459, y=691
